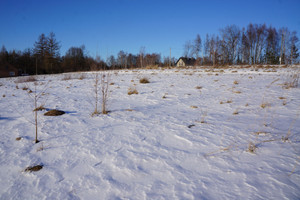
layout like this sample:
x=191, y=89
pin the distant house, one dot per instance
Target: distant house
x=8, y=71
x=183, y=62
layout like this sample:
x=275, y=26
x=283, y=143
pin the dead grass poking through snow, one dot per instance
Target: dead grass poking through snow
x=34, y=168
x=293, y=81
x=40, y=108
x=144, y=80
x=54, y=113
x=264, y=105
x=132, y=90
x=236, y=112
x=251, y=147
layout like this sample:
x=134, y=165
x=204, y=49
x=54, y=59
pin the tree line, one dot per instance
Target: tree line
x=45, y=58
x=255, y=44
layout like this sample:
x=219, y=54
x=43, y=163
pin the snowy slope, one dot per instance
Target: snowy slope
x=184, y=136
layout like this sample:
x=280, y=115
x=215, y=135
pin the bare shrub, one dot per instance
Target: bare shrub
x=35, y=96
x=67, y=77
x=101, y=85
x=26, y=79
x=105, y=83
x=293, y=81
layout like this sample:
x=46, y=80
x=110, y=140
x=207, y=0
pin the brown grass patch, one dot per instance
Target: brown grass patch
x=26, y=79
x=54, y=113
x=132, y=90
x=236, y=112
x=144, y=80
x=40, y=108
x=34, y=168
x=264, y=105
x=18, y=138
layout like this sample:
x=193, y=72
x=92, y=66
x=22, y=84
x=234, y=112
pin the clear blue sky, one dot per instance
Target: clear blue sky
x=106, y=27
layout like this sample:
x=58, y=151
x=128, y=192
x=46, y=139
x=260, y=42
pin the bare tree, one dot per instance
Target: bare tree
x=105, y=82
x=141, y=56
x=101, y=86
x=230, y=39
x=188, y=47
x=293, y=49
x=35, y=96
x=197, y=47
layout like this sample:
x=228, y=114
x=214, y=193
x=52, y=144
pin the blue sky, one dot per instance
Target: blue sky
x=106, y=27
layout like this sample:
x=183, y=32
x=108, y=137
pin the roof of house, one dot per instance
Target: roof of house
x=187, y=61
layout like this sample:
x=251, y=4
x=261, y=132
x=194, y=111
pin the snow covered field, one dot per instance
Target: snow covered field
x=186, y=135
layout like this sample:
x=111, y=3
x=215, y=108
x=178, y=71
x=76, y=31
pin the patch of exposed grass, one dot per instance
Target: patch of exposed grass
x=54, y=113
x=18, y=138
x=34, y=168
x=264, y=105
x=40, y=108
x=132, y=90
x=251, y=147
x=144, y=80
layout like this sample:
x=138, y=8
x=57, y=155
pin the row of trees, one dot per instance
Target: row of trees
x=256, y=44
x=45, y=58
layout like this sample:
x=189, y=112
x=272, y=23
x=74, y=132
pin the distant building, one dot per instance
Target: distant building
x=8, y=71
x=183, y=62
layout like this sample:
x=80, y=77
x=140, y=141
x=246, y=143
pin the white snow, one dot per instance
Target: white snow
x=170, y=141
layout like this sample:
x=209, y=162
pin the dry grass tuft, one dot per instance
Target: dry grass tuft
x=264, y=105
x=144, y=80
x=236, y=112
x=18, y=138
x=132, y=90
x=237, y=92
x=40, y=108
x=67, y=77
x=54, y=113
x=251, y=147
x=34, y=168
x=26, y=79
